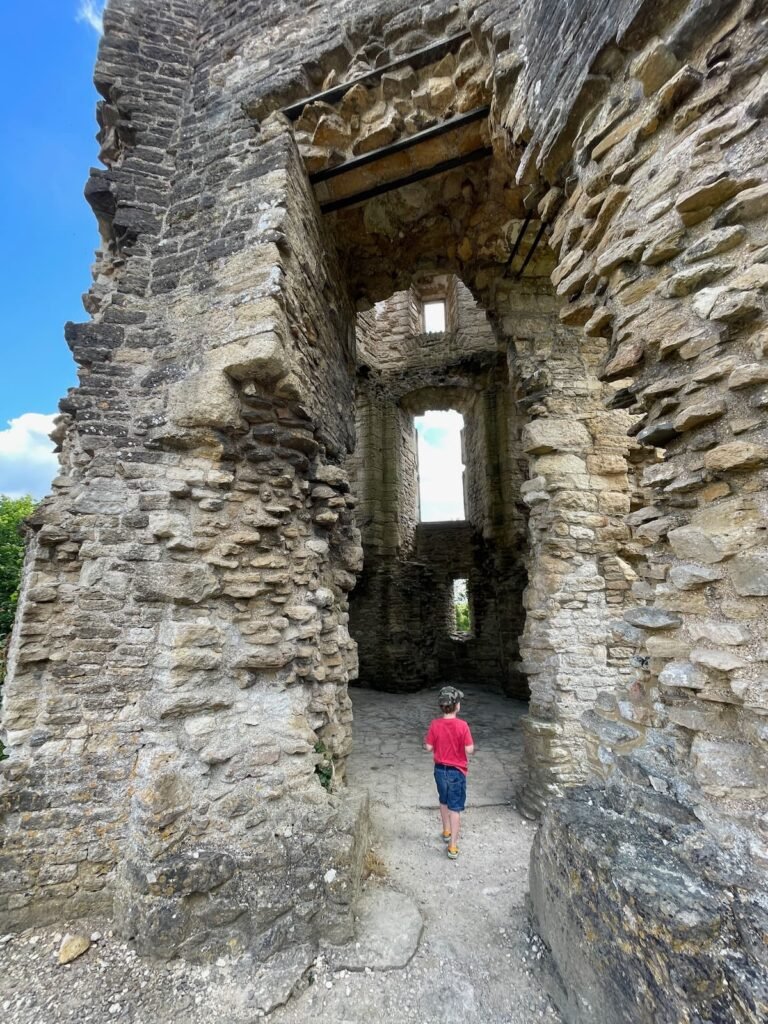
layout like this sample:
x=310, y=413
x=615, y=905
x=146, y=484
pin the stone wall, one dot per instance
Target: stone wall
x=401, y=610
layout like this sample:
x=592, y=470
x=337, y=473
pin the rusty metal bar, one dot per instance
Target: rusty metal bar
x=417, y=59
x=518, y=240
x=532, y=250
x=389, y=186
x=452, y=124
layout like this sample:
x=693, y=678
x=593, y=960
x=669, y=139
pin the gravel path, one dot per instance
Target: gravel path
x=457, y=942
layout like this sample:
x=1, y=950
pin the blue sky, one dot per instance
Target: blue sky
x=48, y=234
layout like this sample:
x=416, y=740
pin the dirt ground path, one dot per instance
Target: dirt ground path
x=439, y=940
x=475, y=960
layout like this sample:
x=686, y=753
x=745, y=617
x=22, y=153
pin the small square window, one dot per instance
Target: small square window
x=434, y=317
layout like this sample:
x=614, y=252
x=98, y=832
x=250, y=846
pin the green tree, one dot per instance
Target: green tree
x=13, y=511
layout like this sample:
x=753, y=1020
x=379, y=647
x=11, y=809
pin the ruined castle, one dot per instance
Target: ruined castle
x=233, y=541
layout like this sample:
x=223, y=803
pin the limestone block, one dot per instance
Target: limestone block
x=561, y=464
x=689, y=576
x=331, y=131
x=728, y=768
x=748, y=375
x=736, y=307
x=717, y=532
x=748, y=205
x=736, y=455
x=260, y=356
x=682, y=674
x=400, y=82
x=749, y=573
x=716, y=658
x=654, y=66
x=690, y=280
x=730, y=634
x=708, y=194
x=265, y=656
x=73, y=946
x=664, y=247
x=628, y=355
x=628, y=250
x=699, y=413
x=715, y=242
x=542, y=436
x=652, y=618
x=178, y=582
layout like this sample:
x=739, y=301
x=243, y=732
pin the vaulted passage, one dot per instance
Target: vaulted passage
x=430, y=520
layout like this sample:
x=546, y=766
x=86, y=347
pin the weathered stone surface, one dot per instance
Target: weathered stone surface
x=72, y=946
x=749, y=573
x=688, y=576
x=551, y=435
x=736, y=455
x=722, y=661
x=388, y=927
x=682, y=674
x=652, y=618
x=588, y=864
x=698, y=413
x=715, y=242
x=748, y=375
x=655, y=66
x=717, y=532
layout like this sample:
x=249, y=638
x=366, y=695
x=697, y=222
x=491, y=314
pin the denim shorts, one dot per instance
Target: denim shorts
x=451, y=787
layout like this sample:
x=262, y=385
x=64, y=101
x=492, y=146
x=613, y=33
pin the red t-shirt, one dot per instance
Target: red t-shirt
x=448, y=737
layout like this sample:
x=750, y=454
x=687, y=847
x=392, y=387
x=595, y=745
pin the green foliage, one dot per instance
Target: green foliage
x=12, y=513
x=324, y=769
x=462, y=616
x=460, y=600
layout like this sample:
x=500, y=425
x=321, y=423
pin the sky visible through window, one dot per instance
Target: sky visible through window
x=434, y=317
x=441, y=485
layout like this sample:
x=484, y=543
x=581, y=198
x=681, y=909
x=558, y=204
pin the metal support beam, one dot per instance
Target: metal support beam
x=518, y=240
x=451, y=125
x=417, y=59
x=389, y=186
x=532, y=250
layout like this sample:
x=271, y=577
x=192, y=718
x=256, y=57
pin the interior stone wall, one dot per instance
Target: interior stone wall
x=401, y=613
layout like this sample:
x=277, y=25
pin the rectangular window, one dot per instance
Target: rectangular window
x=441, y=470
x=434, y=317
x=462, y=617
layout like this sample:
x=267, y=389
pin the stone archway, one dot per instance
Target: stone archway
x=216, y=405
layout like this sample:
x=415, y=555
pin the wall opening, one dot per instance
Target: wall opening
x=440, y=466
x=461, y=610
x=433, y=316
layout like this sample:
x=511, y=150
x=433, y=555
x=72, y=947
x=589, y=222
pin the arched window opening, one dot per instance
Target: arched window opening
x=441, y=466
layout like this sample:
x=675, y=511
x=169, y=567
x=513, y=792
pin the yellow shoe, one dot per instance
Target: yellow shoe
x=453, y=852
x=446, y=837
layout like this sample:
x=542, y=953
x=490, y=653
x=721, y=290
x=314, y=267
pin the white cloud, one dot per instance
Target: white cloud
x=92, y=12
x=441, y=486
x=27, y=462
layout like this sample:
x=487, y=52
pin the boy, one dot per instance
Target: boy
x=451, y=741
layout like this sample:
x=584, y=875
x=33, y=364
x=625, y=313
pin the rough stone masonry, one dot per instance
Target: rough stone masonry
x=594, y=175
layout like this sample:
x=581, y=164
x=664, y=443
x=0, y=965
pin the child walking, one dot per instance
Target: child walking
x=451, y=741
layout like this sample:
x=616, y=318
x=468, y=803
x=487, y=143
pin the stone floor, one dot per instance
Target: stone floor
x=438, y=940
